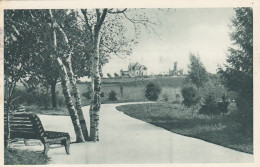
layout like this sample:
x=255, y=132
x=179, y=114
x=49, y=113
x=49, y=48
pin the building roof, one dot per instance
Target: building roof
x=136, y=66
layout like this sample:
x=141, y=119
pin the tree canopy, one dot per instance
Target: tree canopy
x=197, y=73
x=238, y=72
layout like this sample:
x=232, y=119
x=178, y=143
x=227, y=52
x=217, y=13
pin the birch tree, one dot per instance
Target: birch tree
x=65, y=83
x=105, y=37
x=68, y=64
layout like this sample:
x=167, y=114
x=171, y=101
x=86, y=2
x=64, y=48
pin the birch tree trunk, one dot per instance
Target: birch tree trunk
x=77, y=99
x=65, y=88
x=76, y=94
x=96, y=80
x=69, y=103
x=95, y=73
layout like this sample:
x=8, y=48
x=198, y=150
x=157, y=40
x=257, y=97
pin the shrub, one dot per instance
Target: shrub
x=102, y=94
x=87, y=94
x=112, y=95
x=244, y=115
x=43, y=100
x=223, y=104
x=40, y=98
x=209, y=107
x=190, y=95
x=214, y=88
x=60, y=101
x=152, y=91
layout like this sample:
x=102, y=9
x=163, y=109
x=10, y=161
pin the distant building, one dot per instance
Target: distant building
x=134, y=69
x=175, y=71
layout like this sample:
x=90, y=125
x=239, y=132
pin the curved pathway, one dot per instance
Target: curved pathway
x=126, y=140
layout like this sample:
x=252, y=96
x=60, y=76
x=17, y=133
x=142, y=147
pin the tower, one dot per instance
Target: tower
x=175, y=68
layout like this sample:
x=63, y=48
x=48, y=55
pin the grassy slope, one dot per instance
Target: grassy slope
x=221, y=130
x=24, y=157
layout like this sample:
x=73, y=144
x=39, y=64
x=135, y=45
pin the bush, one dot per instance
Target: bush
x=244, y=114
x=112, y=95
x=223, y=104
x=190, y=95
x=43, y=100
x=214, y=88
x=87, y=94
x=38, y=98
x=209, y=107
x=152, y=91
x=60, y=101
x=102, y=94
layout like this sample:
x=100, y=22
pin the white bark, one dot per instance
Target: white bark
x=65, y=88
x=76, y=94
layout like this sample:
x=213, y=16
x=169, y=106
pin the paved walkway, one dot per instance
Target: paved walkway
x=126, y=140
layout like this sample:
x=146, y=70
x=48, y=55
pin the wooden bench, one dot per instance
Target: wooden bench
x=29, y=126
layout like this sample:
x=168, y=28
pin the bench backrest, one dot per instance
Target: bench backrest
x=25, y=125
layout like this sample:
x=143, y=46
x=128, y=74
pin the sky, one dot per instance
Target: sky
x=204, y=32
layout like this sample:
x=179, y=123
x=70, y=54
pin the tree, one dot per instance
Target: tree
x=238, y=73
x=67, y=59
x=17, y=62
x=197, y=73
x=109, y=75
x=64, y=83
x=190, y=95
x=112, y=95
x=152, y=91
x=46, y=70
x=105, y=35
x=116, y=75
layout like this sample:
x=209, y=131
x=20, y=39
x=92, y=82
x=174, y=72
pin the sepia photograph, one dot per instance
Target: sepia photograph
x=128, y=85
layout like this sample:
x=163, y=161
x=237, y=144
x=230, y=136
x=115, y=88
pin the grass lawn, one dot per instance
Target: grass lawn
x=24, y=157
x=221, y=130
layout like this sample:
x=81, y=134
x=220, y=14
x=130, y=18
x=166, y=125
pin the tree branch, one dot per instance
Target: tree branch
x=112, y=50
x=141, y=21
x=98, y=15
x=102, y=18
x=84, y=12
x=110, y=11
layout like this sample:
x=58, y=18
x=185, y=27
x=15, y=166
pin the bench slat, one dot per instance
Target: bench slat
x=22, y=128
x=21, y=122
x=24, y=135
x=18, y=133
x=19, y=118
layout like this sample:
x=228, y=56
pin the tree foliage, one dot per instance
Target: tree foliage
x=190, y=95
x=152, y=91
x=197, y=73
x=238, y=72
x=112, y=96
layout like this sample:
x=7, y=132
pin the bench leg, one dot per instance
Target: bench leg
x=46, y=148
x=67, y=146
